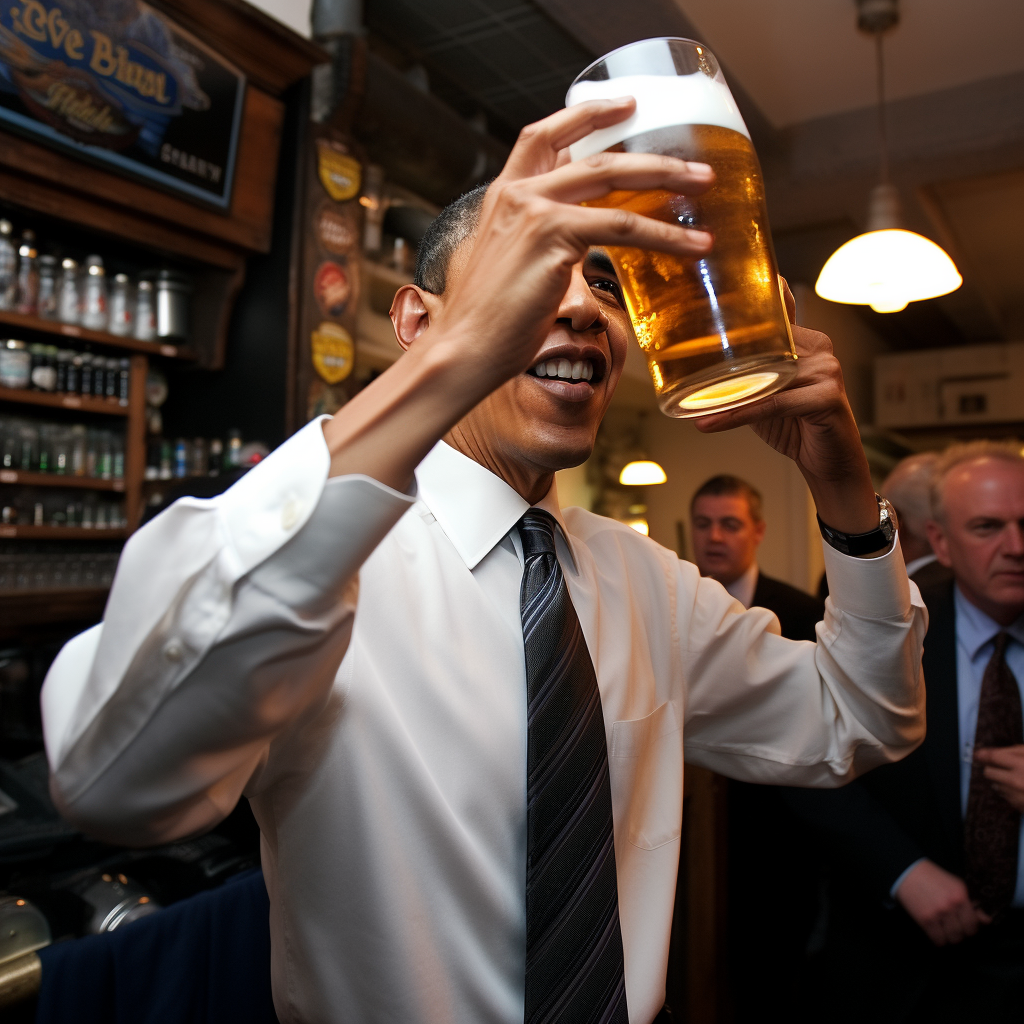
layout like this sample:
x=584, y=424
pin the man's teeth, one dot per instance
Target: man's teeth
x=562, y=369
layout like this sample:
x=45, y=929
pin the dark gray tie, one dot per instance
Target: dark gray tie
x=574, y=966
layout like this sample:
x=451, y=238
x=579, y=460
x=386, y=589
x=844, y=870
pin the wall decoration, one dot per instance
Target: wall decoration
x=118, y=82
x=333, y=352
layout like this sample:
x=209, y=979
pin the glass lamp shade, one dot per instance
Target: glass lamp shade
x=887, y=269
x=640, y=473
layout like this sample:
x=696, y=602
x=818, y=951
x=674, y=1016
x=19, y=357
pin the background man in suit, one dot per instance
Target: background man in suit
x=727, y=527
x=908, y=487
x=772, y=875
x=928, y=917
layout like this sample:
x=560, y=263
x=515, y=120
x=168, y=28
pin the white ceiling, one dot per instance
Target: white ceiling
x=802, y=59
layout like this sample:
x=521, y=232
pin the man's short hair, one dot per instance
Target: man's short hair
x=908, y=487
x=724, y=484
x=452, y=226
x=957, y=454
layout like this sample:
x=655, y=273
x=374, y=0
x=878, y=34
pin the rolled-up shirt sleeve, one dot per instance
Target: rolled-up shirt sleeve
x=226, y=622
x=764, y=709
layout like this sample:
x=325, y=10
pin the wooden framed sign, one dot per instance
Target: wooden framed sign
x=118, y=82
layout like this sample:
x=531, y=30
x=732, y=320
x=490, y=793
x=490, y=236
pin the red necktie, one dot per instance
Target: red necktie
x=992, y=825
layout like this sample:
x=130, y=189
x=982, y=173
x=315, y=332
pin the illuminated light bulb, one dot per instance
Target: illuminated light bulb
x=886, y=269
x=641, y=473
x=640, y=525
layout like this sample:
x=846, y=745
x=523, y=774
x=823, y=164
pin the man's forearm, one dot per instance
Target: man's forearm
x=388, y=428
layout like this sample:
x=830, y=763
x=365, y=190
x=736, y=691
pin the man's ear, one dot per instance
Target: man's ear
x=937, y=539
x=411, y=312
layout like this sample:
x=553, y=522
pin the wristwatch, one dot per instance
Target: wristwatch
x=859, y=544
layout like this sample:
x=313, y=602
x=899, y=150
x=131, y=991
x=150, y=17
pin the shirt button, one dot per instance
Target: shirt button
x=173, y=651
x=290, y=514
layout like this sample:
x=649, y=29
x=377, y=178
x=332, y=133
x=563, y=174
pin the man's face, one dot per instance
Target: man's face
x=981, y=536
x=547, y=418
x=725, y=536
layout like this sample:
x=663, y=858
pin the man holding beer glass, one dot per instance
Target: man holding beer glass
x=458, y=712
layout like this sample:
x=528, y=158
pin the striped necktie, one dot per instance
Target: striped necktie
x=574, y=967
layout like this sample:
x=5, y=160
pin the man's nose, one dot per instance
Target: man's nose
x=579, y=306
x=1013, y=540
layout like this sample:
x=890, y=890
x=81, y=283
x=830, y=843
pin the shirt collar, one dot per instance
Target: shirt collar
x=974, y=629
x=475, y=508
x=743, y=587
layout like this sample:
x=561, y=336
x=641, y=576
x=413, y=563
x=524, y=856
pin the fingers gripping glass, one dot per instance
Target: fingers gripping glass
x=714, y=329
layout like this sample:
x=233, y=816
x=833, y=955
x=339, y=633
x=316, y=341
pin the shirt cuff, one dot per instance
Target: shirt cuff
x=872, y=588
x=894, y=888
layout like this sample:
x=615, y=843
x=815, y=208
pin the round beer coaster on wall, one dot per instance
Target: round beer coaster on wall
x=333, y=352
x=332, y=288
x=335, y=232
x=340, y=174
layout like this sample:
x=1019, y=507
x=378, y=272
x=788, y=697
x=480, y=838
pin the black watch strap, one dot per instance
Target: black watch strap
x=859, y=544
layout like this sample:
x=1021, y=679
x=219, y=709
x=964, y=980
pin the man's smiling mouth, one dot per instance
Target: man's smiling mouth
x=571, y=371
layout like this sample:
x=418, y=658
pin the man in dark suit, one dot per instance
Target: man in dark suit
x=772, y=873
x=727, y=527
x=927, y=919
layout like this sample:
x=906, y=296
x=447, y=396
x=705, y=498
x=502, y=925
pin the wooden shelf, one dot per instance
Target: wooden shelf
x=55, y=329
x=22, y=608
x=16, y=476
x=106, y=406
x=60, y=533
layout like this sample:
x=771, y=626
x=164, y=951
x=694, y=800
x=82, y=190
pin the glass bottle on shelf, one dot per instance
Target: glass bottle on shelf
x=68, y=298
x=99, y=376
x=78, y=450
x=145, y=312
x=216, y=460
x=111, y=378
x=120, y=306
x=199, y=463
x=94, y=300
x=46, y=300
x=15, y=364
x=8, y=266
x=234, y=454
x=117, y=449
x=28, y=275
x=44, y=368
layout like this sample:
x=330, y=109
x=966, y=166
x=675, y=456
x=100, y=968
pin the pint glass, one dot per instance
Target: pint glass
x=714, y=329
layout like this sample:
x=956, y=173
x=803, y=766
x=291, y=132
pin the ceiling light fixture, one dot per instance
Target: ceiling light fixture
x=887, y=266
x=641, y=473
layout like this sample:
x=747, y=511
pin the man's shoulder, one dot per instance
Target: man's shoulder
x=604, y=536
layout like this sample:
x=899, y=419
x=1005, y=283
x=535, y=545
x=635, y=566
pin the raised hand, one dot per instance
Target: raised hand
x=811, y=423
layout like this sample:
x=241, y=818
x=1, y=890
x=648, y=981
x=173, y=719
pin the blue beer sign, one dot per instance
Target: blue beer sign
x=120, y=83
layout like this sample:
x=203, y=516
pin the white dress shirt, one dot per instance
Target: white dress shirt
x=351, y=658
x=743, y=587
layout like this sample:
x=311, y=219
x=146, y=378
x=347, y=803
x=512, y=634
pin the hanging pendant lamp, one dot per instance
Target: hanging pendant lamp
x=887, y=266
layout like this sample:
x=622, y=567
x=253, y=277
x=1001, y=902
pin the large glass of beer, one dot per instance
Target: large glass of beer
x=714, y=329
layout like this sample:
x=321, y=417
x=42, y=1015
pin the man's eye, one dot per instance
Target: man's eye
x=611, y=287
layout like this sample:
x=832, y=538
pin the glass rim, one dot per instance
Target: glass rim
x=625, y=46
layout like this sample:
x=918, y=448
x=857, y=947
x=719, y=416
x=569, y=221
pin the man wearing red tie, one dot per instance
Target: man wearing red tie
x=931, y=889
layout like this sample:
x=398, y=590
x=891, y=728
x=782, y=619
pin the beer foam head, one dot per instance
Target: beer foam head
x=662, y=101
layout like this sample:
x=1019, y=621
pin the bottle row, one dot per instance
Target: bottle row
x=48, y=368
x=28, y=507
x=176, y=460
x=153, y=308
x=87, y=564
x=32, y=446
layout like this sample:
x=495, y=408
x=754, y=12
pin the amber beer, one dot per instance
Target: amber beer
x=714, y=330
